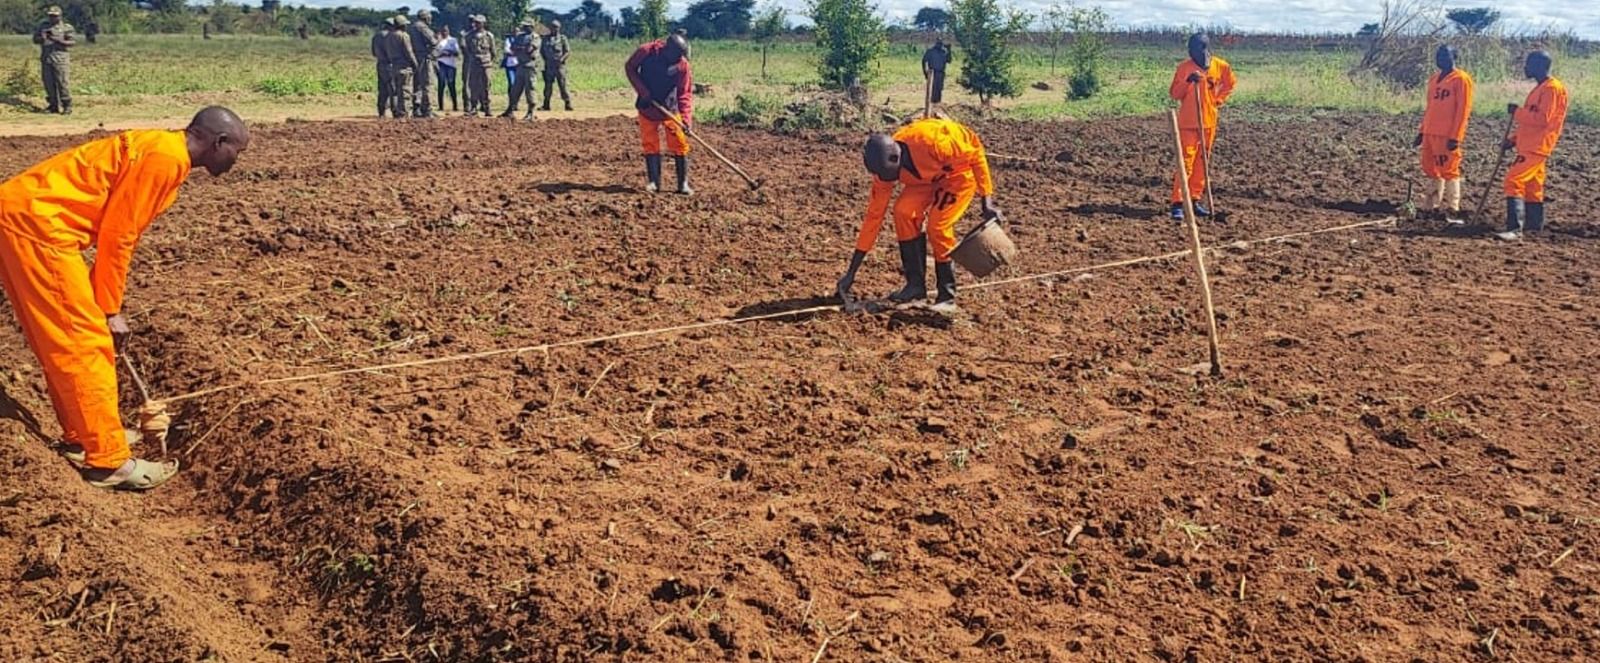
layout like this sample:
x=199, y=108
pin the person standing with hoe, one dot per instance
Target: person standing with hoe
x=659, y=73
x=54, y=37
x=1539, y=121
x=1201, y=84
x=934, y=62
x=102, y=194
x=1444, y=127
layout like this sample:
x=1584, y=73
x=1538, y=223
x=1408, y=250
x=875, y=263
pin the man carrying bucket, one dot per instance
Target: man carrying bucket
x=941, y=164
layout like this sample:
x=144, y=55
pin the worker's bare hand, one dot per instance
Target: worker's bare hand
x=118, y=326
x=1195, y=77
x=1511, y=109
x=1452, y=144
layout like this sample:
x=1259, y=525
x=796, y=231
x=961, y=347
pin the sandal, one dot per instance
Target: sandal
x=75, y=454
x=136, y=474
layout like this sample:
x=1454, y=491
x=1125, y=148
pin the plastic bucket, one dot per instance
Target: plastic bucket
x=984, y=249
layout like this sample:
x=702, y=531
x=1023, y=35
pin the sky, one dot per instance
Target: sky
x=1314, y=16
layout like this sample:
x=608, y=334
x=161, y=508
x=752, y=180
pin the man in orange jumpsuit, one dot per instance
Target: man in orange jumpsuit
x=1539, y=122
x=659, y=73
x=1444, y=127
x=102, y=194
x=1201, y=84
x=940, y=164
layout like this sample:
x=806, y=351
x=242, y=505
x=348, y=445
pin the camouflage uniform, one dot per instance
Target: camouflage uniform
x=402, y=66
x=425, y=46
x=554, y=50
x=480, y=59
x=383, y=69
x=525, y=48
x=54, y=63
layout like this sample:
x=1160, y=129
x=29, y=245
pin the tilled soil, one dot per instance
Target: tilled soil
x=1398, y=463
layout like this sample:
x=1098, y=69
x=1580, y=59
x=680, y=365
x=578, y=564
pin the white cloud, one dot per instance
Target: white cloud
x=1304, y=16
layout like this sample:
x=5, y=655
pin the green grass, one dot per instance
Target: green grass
x=126, y=73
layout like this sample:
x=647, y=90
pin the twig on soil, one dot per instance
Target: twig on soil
x=1241, y=588
x=111, y=614
x=214, y=427
x=65, y=619
x=1021, y=569
x=834, y=634
x=1072, y=534
x=597, y=380
x=1560, y=557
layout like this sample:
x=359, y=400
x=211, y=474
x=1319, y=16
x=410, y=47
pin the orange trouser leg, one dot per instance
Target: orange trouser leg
x=50, y=292
x=1438, y=161
x=1194, y=161
x=911, y=210
x=949, y=205
x=1525, y=180
x=650, y=137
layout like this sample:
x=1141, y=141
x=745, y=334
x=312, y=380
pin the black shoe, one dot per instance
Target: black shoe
x=944, y=274
x=1514, y=210
x=509, y=113
x=914, y=264
x=1201, y=211
x=682, y=164
x=652, y=171
x=52, y=110
x=528, y=117
x=545, y=107
x=1535, y=217
x=569, y=105
x=1177, y=212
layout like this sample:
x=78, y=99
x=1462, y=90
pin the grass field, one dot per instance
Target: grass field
x=129, y=79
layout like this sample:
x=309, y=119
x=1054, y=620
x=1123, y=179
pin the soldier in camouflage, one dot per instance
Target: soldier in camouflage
x=553, y=48
x=525, y=48
x=54, y=37
x=402, y=61
x=425, y=46
x=479, y=47
x=383, y=65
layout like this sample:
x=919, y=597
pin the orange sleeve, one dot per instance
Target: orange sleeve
x=1463, y=108
x=1180, y=84
x=1555, y=106
x=142, y=193
x=1226, y=85
x=877, y=207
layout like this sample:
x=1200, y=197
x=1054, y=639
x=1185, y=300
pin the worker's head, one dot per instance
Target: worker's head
x=1537, y=65
x=555, y=27
x=1200, y=49
x=478, y=21
x=444, y=30
x=399, y=20
x=881, y=155
x=425, y=15
x=526, y=26
x=1445, y=57
x=676, y=46
x=53, y=14
x=216, y=138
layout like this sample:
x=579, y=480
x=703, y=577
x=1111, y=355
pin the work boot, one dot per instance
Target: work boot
x=652, y=171
x=546, y=106
x=568, y=105
x=1514, y=209
x=914, y=264
x=682, y=164
x=1201, y=211
x=1177, y=212
x=510, y=113
x=944, y=276
x=529, y=116
x=1534, y=218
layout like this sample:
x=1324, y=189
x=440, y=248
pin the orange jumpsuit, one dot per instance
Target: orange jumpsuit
x=945, y=167
x=1539, y=123
x=1214, y=90
x=101, y=194
x=1445, y=119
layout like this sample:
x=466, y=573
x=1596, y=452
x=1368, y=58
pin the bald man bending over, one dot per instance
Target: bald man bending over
x=103, y=194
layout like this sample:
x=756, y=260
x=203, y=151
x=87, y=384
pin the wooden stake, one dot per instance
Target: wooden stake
x=1499, y=164
x=1199, y=253
x=927, y=94
x=1205, y=153
x=696, y=136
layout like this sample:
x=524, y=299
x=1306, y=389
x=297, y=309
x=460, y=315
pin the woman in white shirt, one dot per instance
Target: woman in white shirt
x=510, y=65
x=449, y=51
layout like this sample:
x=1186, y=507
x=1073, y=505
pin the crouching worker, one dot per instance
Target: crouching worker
x=941, y=166
x=102, y=194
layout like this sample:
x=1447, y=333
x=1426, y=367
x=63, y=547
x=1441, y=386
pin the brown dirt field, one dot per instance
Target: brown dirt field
x=1398, y=465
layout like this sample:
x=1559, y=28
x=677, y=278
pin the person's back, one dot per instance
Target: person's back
x=63, y=201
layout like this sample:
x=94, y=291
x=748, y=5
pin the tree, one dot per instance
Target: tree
x=1088, y=26
x=1055, y=24
x=718, y=19
x=984, y=30
x=653, y=19
x=931, y=19
x=1368, y=30
x=1473, y=21
x=850, y=36
x=502, y=14
x=592, y=18
x=629, y=24
x=223, y=16
x=769, y=24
